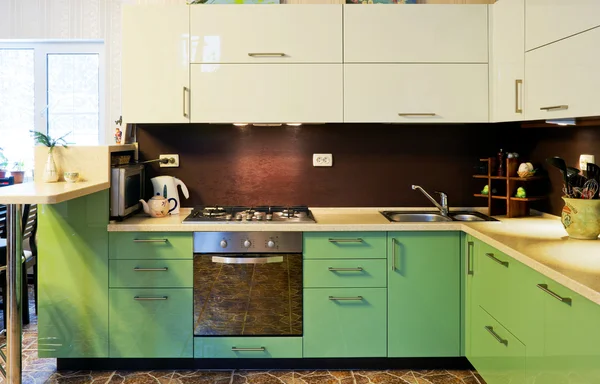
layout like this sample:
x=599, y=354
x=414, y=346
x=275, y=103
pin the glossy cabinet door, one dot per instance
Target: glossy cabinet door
x=551, y=20
x=507, y=60
x=267, y=93
x=155, y=64
x=423, y=294
x=256, y=34
x=350, y=273
x=431, y=34
x=415, y=93
x=344, y=322
x=73, y=279
x=344, y=245
x=151, y=273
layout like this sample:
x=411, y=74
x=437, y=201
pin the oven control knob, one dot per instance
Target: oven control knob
x=247, y=243
x=270, y=243
x=223, y=244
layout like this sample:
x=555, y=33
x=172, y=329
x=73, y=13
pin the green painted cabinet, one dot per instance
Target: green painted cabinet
x=73, y=279
x=151, y=273
x=424, y=294
x=151, y=245
x=470, y=246
x=350, y=273
x=344, y=245
x=248, y=347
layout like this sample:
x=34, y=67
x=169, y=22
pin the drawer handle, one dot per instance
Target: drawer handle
x=266, y=54
x=357, y=240
x=357, y=269
x=470, y=246
x=150, y=240
x=393, y=254
x=544, y=287
x=491, y=331
x=555, y=108
x=164, y=269
x=185, y=114
x=497, y=260
x=149, y=298
x=357, y=298
x=259, y=349
x=417, y=114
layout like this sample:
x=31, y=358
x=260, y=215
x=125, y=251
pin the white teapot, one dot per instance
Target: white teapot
x=158, y=206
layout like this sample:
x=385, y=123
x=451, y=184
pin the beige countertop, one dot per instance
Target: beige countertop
x=49, y=193
x=539, y=242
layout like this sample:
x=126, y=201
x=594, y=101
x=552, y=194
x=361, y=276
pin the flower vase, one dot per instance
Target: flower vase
x=50, y=171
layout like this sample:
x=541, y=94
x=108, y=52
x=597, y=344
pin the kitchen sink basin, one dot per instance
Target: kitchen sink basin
x=432, y=217
x=470, y=216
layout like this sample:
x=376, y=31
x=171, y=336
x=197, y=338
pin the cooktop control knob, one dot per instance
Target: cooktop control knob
x=270, y=243
x=223, y=244
x=269, y=216
x=247, y=243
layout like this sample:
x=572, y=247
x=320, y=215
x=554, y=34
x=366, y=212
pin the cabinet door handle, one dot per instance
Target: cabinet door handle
x=544, y=287
x=266, y=54
x=496, y=336
x=518, y=85
x=470, y=245
x=259, y=349
x=185, y=114
x=137, y=269
x=357, y=269
x=393, y=254
x=357, y=298
x=497, y=260
x=149, y=298
x=417, y=114
x=357, y=240
x=150, y=240
x=555, y=108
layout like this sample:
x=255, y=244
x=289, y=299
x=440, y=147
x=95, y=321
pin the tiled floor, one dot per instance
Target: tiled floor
x=37, y=371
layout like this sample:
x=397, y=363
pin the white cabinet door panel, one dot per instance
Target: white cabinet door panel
x=267, y=93
x=416, y=93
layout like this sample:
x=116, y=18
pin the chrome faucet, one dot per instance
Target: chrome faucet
x=442, y=205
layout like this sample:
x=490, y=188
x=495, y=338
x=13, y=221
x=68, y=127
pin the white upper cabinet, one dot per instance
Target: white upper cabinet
x=563, y=79
x=266, y=33
x=416, y=34
x=507, y=60
x=551, y=20
x=267, y=93
x=415, y=93
x=155, y=64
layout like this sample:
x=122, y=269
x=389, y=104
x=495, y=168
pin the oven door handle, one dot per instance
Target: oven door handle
x=247, y=260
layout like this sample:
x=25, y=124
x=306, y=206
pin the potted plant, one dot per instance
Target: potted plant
x=50, y=171
x=3, y=164
x=18, y=171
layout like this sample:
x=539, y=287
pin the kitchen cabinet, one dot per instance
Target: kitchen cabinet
x=415, y=93
x=552, y=20
x=267, y=93
x=73, y=283
x=254, y=34
x=151, y=273
x=345, y=273
x=423, y=294
x=562, y=79
x=248, y=347
x=344, y=245
x=416, y=34
x=507, y=60
x=155, y=64
x=151, y=245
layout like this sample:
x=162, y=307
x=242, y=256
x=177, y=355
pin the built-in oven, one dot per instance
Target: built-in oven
x=247, y=284
x=126, y=189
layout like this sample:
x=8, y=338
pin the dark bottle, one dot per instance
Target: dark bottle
x=501, y=164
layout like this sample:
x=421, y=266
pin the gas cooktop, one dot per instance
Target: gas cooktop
x=261, y=214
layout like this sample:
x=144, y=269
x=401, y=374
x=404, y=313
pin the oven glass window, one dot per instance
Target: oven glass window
x=133, y=190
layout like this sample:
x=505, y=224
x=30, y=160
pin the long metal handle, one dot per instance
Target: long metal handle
x=185, y=114
x=357, y=269
x=247, y=260
x=357, y=240
x=491, y=256
x=566, y=300
x=266, y=54
x=555, y=108
x=470, y=245
x=164, y=269
x=14, y=305
x=149, y=298
x=150, y=240
x=259, y=349
x=393, y=255
x=356, y=298
x=518, y=85
x=490, y=329
x=417, y=114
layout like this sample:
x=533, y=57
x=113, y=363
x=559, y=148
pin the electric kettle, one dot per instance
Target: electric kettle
x=166, y=186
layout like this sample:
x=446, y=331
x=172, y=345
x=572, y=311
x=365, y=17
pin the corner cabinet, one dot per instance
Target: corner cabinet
x=155, y=64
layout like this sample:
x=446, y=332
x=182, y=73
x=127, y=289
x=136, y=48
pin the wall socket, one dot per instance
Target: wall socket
x=584, y=159
x=322, y=160
x=173, y=161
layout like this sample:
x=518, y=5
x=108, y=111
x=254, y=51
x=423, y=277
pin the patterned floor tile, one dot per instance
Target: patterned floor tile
x=80, y=377
x=479, y=378
x=444, y=378
x=390, y=376
x=201, y=377
x=325, y=377
x=141, y=377
x=263, y=377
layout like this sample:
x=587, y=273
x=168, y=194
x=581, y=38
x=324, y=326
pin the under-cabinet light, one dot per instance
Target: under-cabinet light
x=562, y=121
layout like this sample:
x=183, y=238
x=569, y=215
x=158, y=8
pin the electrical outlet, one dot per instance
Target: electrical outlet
x=173, y=161
x=322, y=160
x=584, y=159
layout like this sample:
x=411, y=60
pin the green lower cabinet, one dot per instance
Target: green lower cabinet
x=248, y=347
x=424, y=294
x=345, y=322
x=344, y=245
x=151, y=273
x=151, y=245
x=151, y=322
x=368, y=273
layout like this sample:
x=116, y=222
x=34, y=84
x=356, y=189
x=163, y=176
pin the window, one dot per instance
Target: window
x=50, y=87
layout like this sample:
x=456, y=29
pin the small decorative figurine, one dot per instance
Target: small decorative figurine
x=118, y=136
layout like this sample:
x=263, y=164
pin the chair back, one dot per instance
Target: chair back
x=29, y=225
x=2, y=221
x=6, y=181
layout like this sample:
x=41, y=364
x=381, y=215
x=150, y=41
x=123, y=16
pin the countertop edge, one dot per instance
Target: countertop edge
x=68, y=192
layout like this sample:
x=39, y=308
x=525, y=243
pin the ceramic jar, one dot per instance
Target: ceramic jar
x=581, y=218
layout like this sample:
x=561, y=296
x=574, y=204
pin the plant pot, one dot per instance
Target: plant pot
x=581, y=218
x=3, y=173
x=50, y=171
x=18, y=175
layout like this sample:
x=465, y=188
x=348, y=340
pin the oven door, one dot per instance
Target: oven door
x=248, y=295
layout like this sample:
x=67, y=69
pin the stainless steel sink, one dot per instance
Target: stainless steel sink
x=470, y=216
x=432, y=217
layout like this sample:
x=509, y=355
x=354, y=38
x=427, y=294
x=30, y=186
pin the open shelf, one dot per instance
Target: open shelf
x=480, y=195
x=480, y=176
x=533, y=198
x=531, y=178
x=499, y=197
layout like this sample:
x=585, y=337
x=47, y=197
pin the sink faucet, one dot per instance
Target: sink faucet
x=443, y=204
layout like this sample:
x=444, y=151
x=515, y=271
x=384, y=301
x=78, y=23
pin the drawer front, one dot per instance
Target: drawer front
x=150, y=245
x=345, y=322
x=367, y=273
x=151, y=273
x=494, y=275
x=147, y=322
x=345, y=245
x=248, y=347
x=236, y=34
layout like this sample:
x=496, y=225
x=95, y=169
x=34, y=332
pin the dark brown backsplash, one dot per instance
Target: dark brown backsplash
x=373, y=164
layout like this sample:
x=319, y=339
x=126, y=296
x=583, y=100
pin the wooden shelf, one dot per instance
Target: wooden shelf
x=480, y=195
x=532, y=178
x=498, y=177
x=497, y=197
x=534, y=198
x=480, y=176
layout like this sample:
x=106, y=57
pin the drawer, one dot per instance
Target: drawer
x=291, y=34
x=345, y=245
x=147, y=322
x=345, y=322
x=366, y=273
x=150, y=245
x=248, y=347
x=151, y=273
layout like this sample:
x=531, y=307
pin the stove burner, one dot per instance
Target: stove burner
x=215, y=211
x=250, y=214
x=288, y=212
